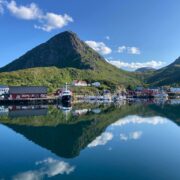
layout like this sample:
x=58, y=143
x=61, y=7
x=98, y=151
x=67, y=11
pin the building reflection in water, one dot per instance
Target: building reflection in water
x=66, y=130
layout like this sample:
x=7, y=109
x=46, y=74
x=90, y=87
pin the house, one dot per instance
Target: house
x=96, y=84
x=26, y=92
x=175, y=90
x=79, y=83
x=4, y=90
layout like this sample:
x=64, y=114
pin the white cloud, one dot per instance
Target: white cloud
x=53, y=21
x=136, y=65
x=28, y=12
x=99, y=47
x=140, y=120
x=131, y=136
x=133, y=50
x=101, y=140
x=47, y=21
x=121, y=49
x=107, y=37
x=48, y=167
x=129, y=50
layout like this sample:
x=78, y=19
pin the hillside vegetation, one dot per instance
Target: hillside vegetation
x=61, y=59
x=169, y=75
x=54, y=77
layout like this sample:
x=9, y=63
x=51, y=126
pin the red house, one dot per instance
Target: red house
x=26, y=92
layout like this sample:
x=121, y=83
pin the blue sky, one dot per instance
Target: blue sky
x=128, y=33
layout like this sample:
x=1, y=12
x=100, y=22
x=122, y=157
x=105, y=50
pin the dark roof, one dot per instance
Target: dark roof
x=28, y=90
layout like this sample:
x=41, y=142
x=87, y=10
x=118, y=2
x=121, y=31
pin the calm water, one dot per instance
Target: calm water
x=124, y=141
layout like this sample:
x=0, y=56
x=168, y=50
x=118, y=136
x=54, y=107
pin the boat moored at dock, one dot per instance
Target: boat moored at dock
x=66, y=94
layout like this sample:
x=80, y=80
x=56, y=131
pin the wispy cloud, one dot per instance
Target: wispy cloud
x=49, y=167
x=46, y=21
x=100, y=47
x=101, y=140
x=136, y=65
x=129, y=50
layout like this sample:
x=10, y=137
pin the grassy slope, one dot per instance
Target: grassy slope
x=54, y=77
x=169, y=75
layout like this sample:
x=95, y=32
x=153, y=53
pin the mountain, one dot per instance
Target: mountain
x=62, y=51
x=145, y=69
x=169, y=75
x=62, y=59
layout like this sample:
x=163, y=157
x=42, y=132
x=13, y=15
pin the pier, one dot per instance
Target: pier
x=30, y=101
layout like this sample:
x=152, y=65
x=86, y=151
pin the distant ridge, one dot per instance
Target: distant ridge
x=145, y=69
x=169, y=75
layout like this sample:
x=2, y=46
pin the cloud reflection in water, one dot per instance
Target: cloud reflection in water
x=131, y=136
x=101, y=140
x=49, y=167
x=140, y=120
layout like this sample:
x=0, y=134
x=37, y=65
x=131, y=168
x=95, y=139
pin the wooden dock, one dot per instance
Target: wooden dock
x=33, y=101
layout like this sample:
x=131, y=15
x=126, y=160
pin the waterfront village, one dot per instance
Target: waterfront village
x=23, y=93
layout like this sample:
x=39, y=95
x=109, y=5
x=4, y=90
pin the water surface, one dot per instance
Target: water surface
x=124, y=141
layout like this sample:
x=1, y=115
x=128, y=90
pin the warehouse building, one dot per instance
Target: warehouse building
x=27, y=92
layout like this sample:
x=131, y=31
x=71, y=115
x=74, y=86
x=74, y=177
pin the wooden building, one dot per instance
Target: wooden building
x=27, y=92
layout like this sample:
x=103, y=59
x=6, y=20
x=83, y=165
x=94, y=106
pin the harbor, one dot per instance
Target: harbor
x=39, y=94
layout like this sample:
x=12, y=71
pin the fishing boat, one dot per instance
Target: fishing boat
x=66, y=94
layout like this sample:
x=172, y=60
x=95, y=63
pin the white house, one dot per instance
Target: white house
x=79, y=83
x=4, y=90
x=175, y=90
x=96, y=84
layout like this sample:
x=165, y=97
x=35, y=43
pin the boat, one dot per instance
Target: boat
x=161, y=95
x=66, y=94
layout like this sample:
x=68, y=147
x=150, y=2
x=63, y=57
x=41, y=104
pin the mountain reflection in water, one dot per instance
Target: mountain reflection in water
x=67, y=130
x=98, y=129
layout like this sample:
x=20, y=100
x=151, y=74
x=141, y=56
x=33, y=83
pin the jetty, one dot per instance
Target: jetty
x=30, y=101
